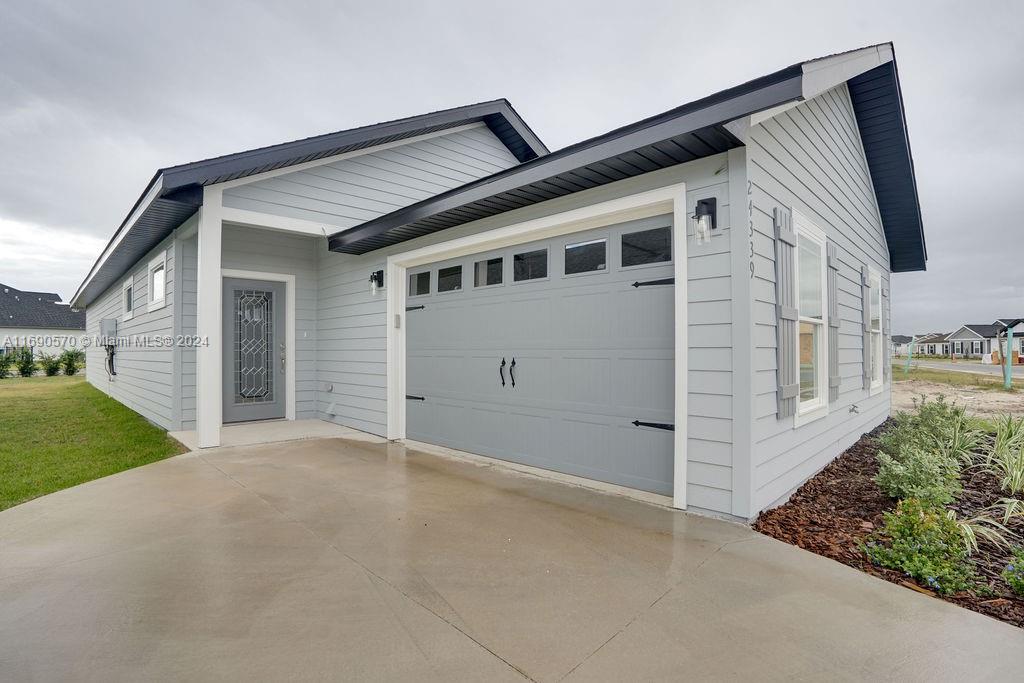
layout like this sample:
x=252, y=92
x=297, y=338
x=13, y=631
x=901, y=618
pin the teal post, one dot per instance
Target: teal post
x=1008, y=360
x=910, y=354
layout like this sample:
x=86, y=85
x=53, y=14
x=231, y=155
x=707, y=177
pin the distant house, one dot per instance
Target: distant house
x=932, y=344
x=38, y=320
x=900, y=344
x=975, y=341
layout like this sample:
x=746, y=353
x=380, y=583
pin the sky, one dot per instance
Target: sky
x=94, y=97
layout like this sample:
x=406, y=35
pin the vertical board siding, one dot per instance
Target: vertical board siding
x=351, y=365
x=188, y=302
x=145, y=375
x=353, y=190
x=810, y=158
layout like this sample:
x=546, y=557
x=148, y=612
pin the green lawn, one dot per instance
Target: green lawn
x=56, y=432
x=974, y=380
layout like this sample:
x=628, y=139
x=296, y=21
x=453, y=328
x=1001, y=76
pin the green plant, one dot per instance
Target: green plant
x=1009, y=435
x=1014, y=572
x=980, y=526
x=1007, y=463
x=919, y=472
x=6, y=361
x=71, y=359
x=923, y=542
x=933, y=425
x=50, y=364
x=24, y=361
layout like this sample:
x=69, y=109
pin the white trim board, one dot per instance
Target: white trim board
x=670, y=199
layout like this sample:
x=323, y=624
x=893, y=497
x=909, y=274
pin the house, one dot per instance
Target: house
x=624, y=310
x=900, y=344
x=977, y=340
x=932, y=344
x=38, y=320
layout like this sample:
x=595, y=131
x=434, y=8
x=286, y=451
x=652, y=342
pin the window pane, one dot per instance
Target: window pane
x=647, y=246
x=810, y=343
x=158, y=284
x=129, y=299
x=876, y=305
x=876, y=357
x=810, y=278
x=449, y=279
x=530, y=265
x=585, y=257
x=488, y=272
x=419, y=283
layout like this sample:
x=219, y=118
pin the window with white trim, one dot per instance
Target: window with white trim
x=875, y=329
x=128, y=298
x=157, y=281
x=812, y=309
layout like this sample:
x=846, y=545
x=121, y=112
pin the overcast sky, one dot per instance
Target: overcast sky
x=95, y=96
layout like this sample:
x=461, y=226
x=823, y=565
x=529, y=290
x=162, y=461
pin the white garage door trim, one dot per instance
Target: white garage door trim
x=670, y=199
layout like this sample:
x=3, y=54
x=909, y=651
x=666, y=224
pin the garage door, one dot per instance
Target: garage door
x=556, y=354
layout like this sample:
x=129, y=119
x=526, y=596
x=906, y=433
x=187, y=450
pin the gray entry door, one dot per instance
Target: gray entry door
x=254, y=350
x=546, y=353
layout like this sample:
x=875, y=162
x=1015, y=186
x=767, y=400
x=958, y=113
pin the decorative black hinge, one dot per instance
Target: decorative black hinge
x=415, y=398
x=414, y=308
x=656, y=425
x=666, y=281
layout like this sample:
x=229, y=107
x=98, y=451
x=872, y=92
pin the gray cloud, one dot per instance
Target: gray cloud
x=94, y=98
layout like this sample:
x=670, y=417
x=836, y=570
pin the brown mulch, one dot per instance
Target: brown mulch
x=835, y=511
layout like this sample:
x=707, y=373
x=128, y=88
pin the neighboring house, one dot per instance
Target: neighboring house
x=975, y=341
x=900, y=344
x=38, y=320
x=932, y=344
x=625, y=309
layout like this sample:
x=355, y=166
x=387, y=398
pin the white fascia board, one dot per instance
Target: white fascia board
x=828, y=72
x=119, y=236
x=258, y=219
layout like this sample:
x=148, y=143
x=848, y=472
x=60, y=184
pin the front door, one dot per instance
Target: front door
x=254, y=350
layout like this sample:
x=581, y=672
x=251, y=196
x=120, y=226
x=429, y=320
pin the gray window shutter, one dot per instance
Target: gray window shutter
x=886, y=360
x=865, y=296
x=833, y=323
x=786, y=312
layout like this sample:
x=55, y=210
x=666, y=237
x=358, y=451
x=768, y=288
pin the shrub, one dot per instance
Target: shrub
x=923, y=542
x=71, y=359
x=934, y=425
x=917, y=472
x=24, y=361
x=1014, y=572
x=1009, y=435
x=1008, y=466
x=6, y=361
x=50, y=364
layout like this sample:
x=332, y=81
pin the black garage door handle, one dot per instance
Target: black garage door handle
x=501, y=371
x=512, y=372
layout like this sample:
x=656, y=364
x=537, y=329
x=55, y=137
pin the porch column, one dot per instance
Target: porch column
x=209, y=322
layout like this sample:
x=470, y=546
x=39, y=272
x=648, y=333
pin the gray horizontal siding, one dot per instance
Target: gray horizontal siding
x=353, y=190
x=810, y=158
x=145, y=376
x=188, y=270
x=351, y=355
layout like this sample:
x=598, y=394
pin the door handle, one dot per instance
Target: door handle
x=501, y=371
x=512, y=372
x=282, y=357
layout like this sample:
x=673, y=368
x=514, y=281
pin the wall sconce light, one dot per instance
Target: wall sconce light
x=704, y=220
x=376, y=281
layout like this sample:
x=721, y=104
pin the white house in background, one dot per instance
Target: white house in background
x=695, y=305
x=975, y=341
x=900, y=344
x=932, y=344
x=37, y=320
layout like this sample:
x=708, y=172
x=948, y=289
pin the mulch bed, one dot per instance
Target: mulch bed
x=834, y=512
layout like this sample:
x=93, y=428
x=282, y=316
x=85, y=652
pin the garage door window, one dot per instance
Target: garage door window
x=586, y=257
x=647, y=246
x=488, y=272
x=419, y=283
x=449, y=279
x=530, y=265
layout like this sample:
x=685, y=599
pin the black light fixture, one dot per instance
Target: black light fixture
x=705, y=220
x=376, y=281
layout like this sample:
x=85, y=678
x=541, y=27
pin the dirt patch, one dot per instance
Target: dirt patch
x=833, y=513
x=978, y=402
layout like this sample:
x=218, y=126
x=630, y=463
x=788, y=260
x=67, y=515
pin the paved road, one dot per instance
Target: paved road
x=963, y=366
x=336, y=560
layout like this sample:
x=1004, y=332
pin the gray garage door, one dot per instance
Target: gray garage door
x=547, y=353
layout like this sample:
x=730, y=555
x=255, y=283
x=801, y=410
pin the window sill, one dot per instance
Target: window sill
x=811, y=415
x=876, y=389
x=156, y=305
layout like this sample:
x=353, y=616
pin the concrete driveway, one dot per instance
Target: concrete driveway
x=333, y=559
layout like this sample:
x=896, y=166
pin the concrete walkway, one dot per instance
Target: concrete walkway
x=334, y=559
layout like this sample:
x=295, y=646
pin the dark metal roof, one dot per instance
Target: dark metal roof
x=689, y=132
x=878, y=105
x=179, y=188
x=901, y=339
x=986, y=331
x=683, y=134
x=37, y=309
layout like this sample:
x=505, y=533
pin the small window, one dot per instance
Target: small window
x=128, y=299
x=875, y=318
x=812, y=354
x=530, y=265
x=647, y=246
x=489, y=272
x=419, y=283
x=157, y=282
x=586, y=257
x=449, y=279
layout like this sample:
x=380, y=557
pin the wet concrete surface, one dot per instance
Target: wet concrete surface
x=334, y=559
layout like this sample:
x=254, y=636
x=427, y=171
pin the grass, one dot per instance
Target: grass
x=61, y=431
x=975, y=380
